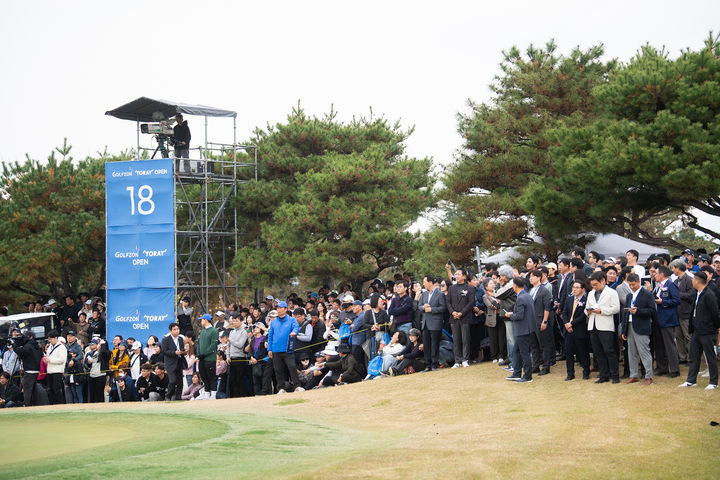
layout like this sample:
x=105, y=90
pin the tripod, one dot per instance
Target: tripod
x=161, y=139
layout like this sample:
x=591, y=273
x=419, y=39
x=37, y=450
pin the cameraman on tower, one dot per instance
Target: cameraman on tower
x=181, y=137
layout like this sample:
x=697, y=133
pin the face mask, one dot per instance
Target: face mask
x=262, y=309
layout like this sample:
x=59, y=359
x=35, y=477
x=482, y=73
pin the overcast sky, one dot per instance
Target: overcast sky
x=65, y=63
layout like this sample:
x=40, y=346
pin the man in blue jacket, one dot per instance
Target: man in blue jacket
x=667, y=298
x=523, y=323
x=281, y=329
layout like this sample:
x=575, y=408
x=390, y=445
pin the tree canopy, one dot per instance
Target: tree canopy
x=334, y=200
x=653, y=149
x=52, y=216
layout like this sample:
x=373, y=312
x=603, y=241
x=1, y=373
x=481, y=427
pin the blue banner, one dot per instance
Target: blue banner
x=140, y=212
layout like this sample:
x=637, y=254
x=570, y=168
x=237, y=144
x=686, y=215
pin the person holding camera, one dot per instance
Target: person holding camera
x=29, y=352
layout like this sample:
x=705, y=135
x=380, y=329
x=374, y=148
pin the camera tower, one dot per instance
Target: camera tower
x=206, y=185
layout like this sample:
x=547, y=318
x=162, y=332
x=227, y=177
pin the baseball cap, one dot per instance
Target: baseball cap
x=272, y=313
x=551, y=265
x=50, y=303
x=72, y=332
x=88, y=302
x=687, y=251
x=282, y=304
x=270, y=297
x=136, y=345
x=357, y=302
x=220, y=313
x=206, y=316
x=705, y=258
x=94, y=341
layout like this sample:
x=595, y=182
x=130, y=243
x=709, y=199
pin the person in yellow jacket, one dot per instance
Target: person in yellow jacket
x=119, y=359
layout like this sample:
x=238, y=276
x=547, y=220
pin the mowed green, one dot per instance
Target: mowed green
x=463, y=423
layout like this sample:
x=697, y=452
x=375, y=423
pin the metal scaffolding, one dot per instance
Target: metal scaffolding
x=206, y=235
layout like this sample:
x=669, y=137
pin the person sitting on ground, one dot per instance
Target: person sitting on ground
x=162, y=381
x=193, y=390
x=145, y=385
x=10, y=395
x=389, y=352
x=346, y=364
x=413, y=355
x=123, y=393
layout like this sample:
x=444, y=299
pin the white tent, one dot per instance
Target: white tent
x=609, y=244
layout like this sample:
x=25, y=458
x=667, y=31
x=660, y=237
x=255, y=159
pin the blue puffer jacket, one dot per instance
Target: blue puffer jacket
x=280, y=330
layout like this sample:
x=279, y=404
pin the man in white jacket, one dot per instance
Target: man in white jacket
x=602, y=304
x=56, y=357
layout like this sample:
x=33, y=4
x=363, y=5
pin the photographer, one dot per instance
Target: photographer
x=29, y=352
x=75, y=378
x=181, y=137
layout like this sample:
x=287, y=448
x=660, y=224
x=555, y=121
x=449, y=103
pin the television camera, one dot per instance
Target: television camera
x=163, y=132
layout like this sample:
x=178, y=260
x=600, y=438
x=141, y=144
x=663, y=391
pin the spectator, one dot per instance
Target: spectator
x=350, y=371
x=207, y=356
x=687, y=295
x=507, y=297
x=542, y=341
x=173, y=350
x=638, y=316
x=524, y=325
x=282, y=330
x=304, y=336
x=460, y=302
x=632, y=262
x=30, y=354
x=184, y=318
x=261, y=368
x=123, y=393
x=82, y=328
x=704, y=328
x=431, y=309
x=412, y=356
x=491, y=306
x=97, y=363
x=119, y=359
x=239, y=370
x=75, y=377
x=359, y=334
x=193, y=390
x=190, y=359
x=10, y=395
x=137, y=359
x=389, y=352
x=146, y=385
x=156, y=355
x=162, y=382
x=149, y=349
x=401, y=307
x=602, y=304
x=667, y=298
x=576, y=331
x=56, y=356
x=10, y=360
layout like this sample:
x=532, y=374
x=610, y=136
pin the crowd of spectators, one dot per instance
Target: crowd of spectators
x=602, y=313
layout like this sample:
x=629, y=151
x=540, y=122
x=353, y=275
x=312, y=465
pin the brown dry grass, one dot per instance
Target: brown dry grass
x=470, y=423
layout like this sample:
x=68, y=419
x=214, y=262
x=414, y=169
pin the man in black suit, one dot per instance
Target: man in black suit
x=542, y=343
x=432, y=314
x=637, y=318
x=704, y=326
x=173, y=350
x=523, y=323
x=460, y=302
x=576, y=334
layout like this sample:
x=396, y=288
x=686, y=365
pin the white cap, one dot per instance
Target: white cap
x=88, y=302
x=136, y=345
x=50, y=302
x=62, y=339
x=348, y=299
x=366, y=301
x=220, y=313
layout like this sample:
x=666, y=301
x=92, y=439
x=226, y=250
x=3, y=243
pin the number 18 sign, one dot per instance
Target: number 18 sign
x=139, y=192
x=140, y=243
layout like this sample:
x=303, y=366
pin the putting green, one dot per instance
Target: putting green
x=125, y=444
